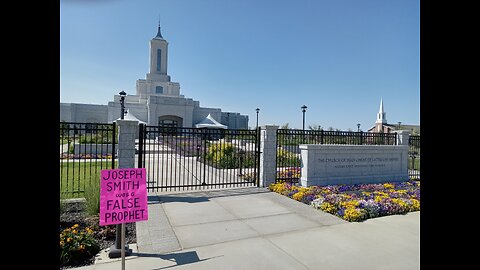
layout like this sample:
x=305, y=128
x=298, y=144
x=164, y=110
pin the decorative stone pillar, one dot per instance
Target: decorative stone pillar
x=402, y=137
x=268, y=156
x=127, y=132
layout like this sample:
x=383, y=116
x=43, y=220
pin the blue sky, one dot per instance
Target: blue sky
x=338, y=57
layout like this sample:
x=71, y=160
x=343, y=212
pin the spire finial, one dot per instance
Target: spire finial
x=159, y=34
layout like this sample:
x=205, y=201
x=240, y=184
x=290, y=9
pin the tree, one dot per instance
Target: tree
x=64, y=128
x=315, y=127
x=285, y=126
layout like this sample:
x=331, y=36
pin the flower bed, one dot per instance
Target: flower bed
x=292, y=173
x=85, y=156
x=77, y=245
x=357, y=202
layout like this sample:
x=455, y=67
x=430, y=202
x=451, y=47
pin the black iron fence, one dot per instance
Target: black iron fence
x=414, y=157
x=288, y=152
x=85, y=150
x=194, y=158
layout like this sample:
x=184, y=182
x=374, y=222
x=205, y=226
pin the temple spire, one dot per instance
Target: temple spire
x=159, y=34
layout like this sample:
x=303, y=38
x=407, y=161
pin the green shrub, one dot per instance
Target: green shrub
x=99, y=138
x=226, y=156
x=71, y=149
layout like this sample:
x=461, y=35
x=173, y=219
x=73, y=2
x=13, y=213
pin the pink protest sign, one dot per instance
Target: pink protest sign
x=123, y=196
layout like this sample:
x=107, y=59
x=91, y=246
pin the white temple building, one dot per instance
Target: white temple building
x=157, y=101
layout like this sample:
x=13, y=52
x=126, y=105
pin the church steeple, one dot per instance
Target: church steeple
x=381, y=115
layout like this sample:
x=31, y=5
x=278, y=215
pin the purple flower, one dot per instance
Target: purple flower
x=344, y=188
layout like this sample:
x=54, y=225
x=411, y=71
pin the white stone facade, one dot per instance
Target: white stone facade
x=157, y=100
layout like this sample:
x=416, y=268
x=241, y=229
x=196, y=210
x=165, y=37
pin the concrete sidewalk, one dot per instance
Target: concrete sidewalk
x=251, y=228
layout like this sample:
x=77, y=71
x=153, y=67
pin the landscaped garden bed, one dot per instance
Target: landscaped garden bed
x=356, y=202
x=81, y=236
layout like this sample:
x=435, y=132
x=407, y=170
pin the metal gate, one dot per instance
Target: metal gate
x=414, y=157
x=178, y=158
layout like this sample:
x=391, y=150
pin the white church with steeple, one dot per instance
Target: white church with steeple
x=381, y=125
x=157, y=100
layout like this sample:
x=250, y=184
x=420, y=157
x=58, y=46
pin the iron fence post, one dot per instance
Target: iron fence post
x=141, y=136
x=204, y=155
x=114, y=129
x=258, y=156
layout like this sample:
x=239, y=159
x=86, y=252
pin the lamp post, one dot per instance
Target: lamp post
x=116, y=249
x=257, y=110
x=304, y=109
x=358, y=127
x=399, y=125
x=122, y=104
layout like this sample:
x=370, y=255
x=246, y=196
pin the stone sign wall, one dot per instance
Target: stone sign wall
x=353, y=164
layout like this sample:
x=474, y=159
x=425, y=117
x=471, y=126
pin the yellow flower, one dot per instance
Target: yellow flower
x=75, y=226
x=328, y=207
x=69, y=239
x=62, y=243
x=388, y=186
x=415, y=205
x=400, y=202
x=81, y=247
x=366, y=193
x=298, y=196
x=353, y=214
x=379, y=196
x=350, y=204
x=75, y=231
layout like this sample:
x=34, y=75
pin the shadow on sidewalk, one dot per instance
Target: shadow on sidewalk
x=180, y=258
x=203, y=195
x=176, y=198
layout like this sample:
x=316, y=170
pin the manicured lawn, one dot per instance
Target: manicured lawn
x=357, y=202
x=75, y=175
